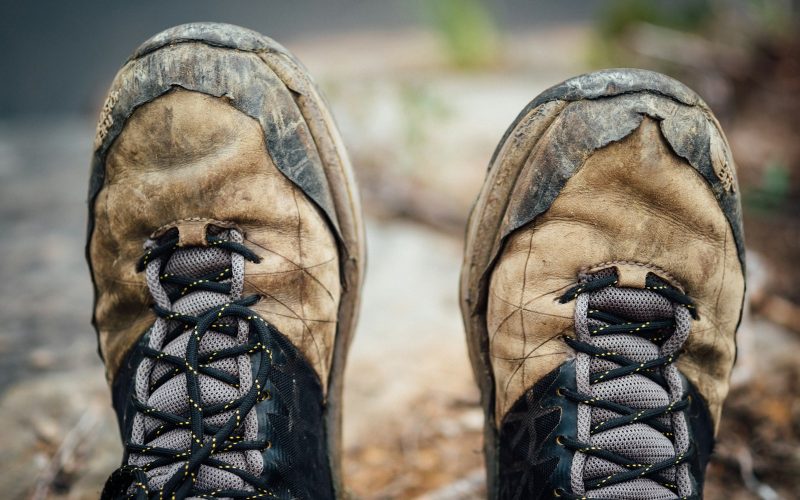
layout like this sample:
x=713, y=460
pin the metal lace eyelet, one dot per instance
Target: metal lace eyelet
x=560, y=392
x=560, y=440
x=558, y=492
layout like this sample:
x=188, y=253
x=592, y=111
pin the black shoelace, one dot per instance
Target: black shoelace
x=207, y=441
x=653, y=331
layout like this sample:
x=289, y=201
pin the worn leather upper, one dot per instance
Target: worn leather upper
x=189, y=155
x=636, y=205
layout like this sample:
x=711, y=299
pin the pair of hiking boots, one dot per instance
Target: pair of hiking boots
x=601, y=289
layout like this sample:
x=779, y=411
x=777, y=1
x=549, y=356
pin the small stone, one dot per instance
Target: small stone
x=472, y=420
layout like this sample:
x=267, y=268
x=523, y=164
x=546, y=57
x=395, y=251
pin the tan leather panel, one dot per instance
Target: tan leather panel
x=187, y=155
x=634, y=202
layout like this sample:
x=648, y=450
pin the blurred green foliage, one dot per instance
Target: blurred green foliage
x=467, y=29
x=725, y=21
x=772, y=192
x=774, y=17
x=422, y=108
x=680, y=15
x=619, y=15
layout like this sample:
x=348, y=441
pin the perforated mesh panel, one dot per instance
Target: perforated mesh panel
x=635, y=348
x=637, y=304
x=597, y=467
x=198, y=261
x=524, y=432
x=639, y=442
x=634, y=391
x=637, y=489
x=172, y=395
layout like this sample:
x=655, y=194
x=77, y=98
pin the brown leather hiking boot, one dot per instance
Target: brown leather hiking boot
x=226, y=248
x=602, y=287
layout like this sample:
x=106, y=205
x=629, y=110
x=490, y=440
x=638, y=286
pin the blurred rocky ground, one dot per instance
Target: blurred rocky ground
x=421, y=112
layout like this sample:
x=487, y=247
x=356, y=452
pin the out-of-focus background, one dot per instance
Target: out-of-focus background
x=422, y=90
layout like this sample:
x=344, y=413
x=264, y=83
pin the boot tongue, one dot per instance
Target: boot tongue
x=638, y=441
x=172, y=395
x=192, y=262
x=196, y=263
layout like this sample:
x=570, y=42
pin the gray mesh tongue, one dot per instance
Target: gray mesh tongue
x=638, y=441
x=172, y=396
